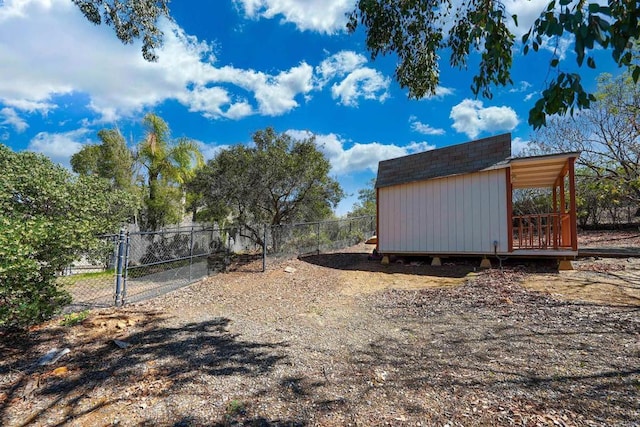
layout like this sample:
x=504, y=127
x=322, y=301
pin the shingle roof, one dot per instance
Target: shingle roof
x=453, y=160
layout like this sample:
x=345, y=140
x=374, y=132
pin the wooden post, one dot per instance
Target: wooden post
x=377, y=219
x=554, y=222
x=572, y=204
x=509, y=210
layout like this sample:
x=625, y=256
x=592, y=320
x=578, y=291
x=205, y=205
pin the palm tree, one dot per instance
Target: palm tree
x=169, y=165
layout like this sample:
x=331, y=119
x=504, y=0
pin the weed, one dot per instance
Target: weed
x=73, y=319
x=235, y=407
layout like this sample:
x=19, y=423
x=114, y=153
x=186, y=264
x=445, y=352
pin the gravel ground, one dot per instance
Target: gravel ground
x=335, y=339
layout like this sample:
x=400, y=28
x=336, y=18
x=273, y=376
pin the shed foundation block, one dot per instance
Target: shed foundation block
x=436, y=261
x=485, y=263
x=385, y=260
x=565, y=265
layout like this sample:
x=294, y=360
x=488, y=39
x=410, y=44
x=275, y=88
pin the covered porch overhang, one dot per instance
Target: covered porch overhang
x=554, y=231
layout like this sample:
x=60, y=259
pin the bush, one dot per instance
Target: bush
x=27, y=294
x=48, y=218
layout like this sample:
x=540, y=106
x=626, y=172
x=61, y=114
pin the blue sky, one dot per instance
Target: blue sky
x=231, y=67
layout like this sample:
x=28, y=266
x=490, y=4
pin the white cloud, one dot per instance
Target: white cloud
x=276, y=95
x=559, y=46
x=239, y=110
x=529, y=96
x=30, y=106
x=358, y=157
x=339, y=64
x=59, y=146
x=518, y=145
x=441, y=92
x=73, y=56
x=364, y=83
x=521, y=87
x=210, y=150
x=527, y=12
x=423, y=128
x=471, y=118
x=357, y=81
x=8, y=116
x=419, y=147
x=324, y=16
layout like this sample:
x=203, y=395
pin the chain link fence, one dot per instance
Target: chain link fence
x=90, y=280
x=134, y=266
x=316, y=237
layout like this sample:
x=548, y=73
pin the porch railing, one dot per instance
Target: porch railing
x=542, y=231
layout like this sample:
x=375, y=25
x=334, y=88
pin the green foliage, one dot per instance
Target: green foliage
x=48, y=218
x=27, y=292
x=98, y=278
x=111, y=159
x=170, y=165
x=130, y=19
x=593, y=195
x=366, y=204
x=235, y=407
x=278, y=181
x=73, y=319
x=413, y=29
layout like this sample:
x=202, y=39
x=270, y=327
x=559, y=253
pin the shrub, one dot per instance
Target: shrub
x=48, y=218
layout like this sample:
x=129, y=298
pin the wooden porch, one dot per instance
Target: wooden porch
x=552, y=232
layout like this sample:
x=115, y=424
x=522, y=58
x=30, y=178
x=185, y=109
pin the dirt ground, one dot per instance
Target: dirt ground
x=336, y=339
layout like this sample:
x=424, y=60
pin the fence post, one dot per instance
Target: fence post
x=264, y=249
x=318, y=237
x=125, y=268
x=120, y=261
x=190, y=254
x=211, y=240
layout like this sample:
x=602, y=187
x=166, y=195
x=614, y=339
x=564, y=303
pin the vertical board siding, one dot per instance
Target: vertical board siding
x=458, y=214
x=429, y=214
x=484, y=207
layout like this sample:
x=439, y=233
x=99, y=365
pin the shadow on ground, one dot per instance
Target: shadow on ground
x=454, y=267
x=160, y=360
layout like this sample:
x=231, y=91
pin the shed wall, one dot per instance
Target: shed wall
x=459, y=214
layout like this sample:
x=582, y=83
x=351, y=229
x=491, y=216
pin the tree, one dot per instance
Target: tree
x=169, y=166
x=366, y=204
x=111, y=160
x=48, y=218
x=130, y=19
x=608, y=136
x=279, y=181
x=413, y=29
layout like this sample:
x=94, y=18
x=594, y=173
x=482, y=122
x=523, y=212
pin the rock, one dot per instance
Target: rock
x=52, y=356
x=289, y=270
x=59, y=372
x=121, y=344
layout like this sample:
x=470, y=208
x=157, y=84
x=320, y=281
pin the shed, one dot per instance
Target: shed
x=458, y=200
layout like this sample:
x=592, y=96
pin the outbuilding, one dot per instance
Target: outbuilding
x=458, y=200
